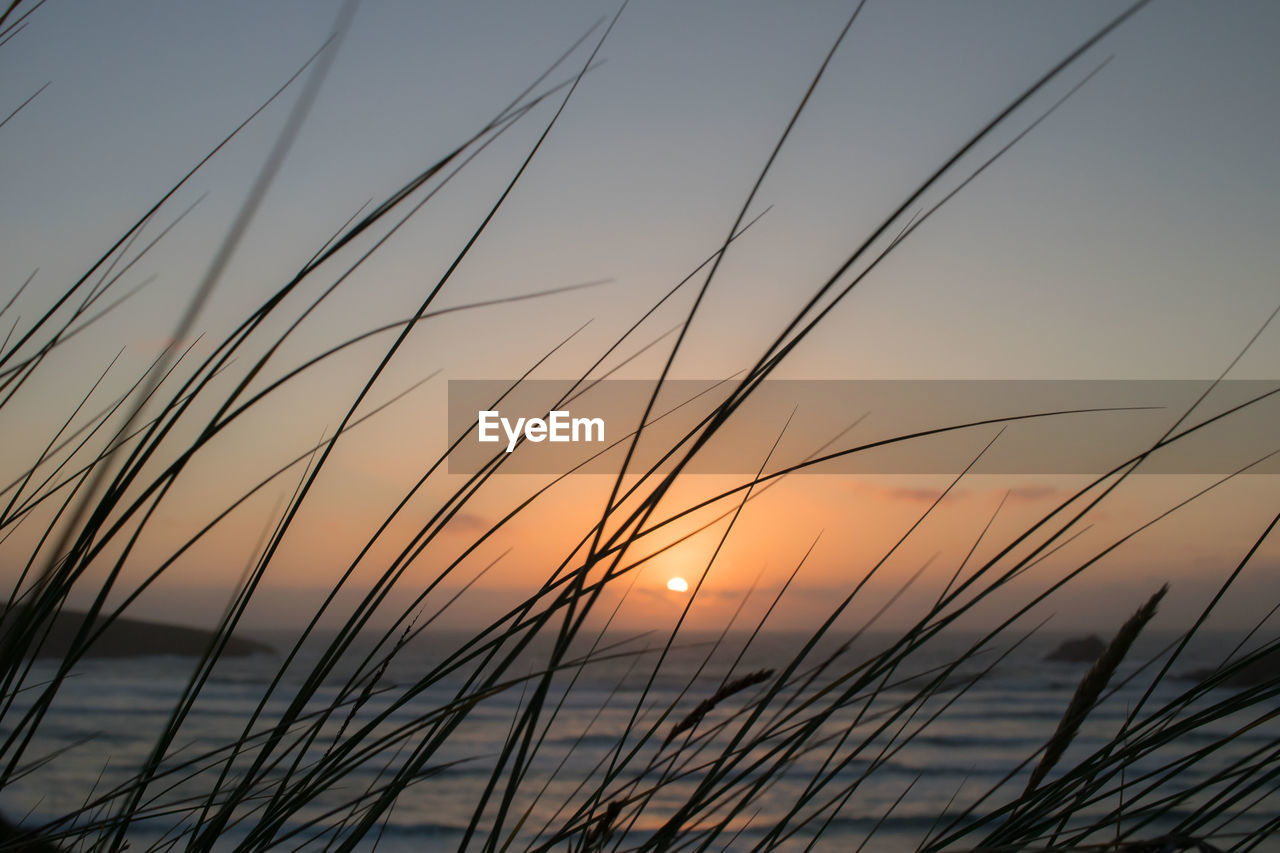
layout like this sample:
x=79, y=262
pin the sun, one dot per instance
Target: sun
x=678, y=585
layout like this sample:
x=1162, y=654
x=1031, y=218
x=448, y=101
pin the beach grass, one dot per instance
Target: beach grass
x=103, y=479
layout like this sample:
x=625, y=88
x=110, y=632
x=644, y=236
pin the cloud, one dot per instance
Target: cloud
x=922, y=496
x=704, y=594
x=1037, y=492
x=907, y=494
x=904, y=494
x=468, y=523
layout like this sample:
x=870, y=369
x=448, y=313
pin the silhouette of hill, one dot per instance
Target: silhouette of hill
x=128, y=638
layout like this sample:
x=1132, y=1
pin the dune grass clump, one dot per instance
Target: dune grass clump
x=690, y=766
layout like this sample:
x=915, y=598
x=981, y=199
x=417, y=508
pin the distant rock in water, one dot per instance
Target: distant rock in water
x=129, y=638
x=1261, y=671
x=1081, y=650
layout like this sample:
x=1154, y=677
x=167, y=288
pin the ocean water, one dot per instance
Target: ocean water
x=895, y=770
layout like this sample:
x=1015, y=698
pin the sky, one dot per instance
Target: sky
x=1129, y=236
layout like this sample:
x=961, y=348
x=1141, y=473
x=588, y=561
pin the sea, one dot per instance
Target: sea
x=886, y=771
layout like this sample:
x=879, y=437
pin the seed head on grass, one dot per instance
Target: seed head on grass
x=1091, y=687
x=706, y=705
x=602, y=831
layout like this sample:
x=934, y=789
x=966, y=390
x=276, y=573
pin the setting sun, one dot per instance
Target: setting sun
x=400, y=503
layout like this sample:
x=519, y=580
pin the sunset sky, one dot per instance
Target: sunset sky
x=1132, y=235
